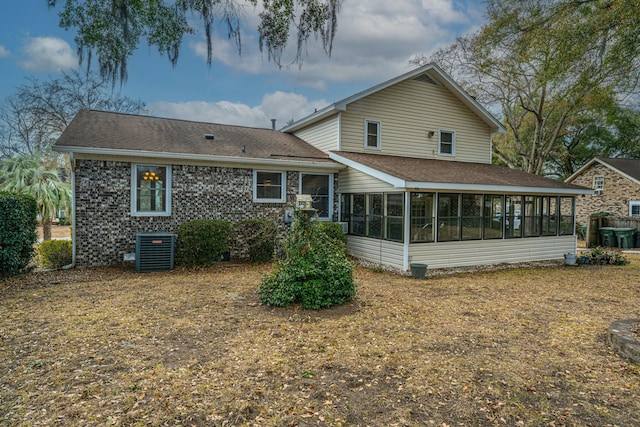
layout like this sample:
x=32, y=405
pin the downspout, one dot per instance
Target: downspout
x=73, y=214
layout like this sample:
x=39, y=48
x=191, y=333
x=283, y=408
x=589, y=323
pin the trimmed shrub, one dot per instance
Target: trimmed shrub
x=202, y=242
x=333, y=230
x=54, y=253
x=259, y=236
x=315, y=271
x=18, y=222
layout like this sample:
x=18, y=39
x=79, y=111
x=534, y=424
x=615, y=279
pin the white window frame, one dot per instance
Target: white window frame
x=453, y=143
x=134, y=191
x=283, y=187
x=633, y=203
x=329, y=216
x=378, y=136
x=598, y=182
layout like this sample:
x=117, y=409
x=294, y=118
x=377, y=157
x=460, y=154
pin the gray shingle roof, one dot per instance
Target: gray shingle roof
x=629, y=167
x=99, y=130
x=413, y=170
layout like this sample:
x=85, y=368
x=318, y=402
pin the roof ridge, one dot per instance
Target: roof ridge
x=149, y=116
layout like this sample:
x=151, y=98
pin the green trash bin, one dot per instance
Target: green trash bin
x=418, y=271
x=607, y=237
x=624, y=236
x=637, y=239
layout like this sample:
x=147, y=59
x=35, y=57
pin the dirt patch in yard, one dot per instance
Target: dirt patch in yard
x=516, y=347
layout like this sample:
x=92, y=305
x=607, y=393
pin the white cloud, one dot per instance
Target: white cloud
x=278, y=105
x=48, y=54
x=375, y=41
x=3, y=52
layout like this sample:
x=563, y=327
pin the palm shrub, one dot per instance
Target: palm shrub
x=33, y=175
x=202, y=242
x=314, y=272
x=18, y=213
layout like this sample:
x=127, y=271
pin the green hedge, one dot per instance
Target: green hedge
x=18, y=222
x=54, y=253
x=259, y=235
x=333, y=230
x=315, y=271
x=202, y=242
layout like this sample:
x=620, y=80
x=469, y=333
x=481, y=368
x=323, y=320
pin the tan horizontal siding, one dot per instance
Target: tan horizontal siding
x=487, y=252
x=354, y=181
x=407, y=112
x=377, y=251
x=322, y=135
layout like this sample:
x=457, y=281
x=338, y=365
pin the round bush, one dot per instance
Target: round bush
x=314, y=272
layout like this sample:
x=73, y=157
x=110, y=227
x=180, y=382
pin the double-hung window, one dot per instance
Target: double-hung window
x=447, y=143
x=598, y=183
x=372, y=135
x=269, y=186
x=634, y=208
x=318, y=186
x=150, y=190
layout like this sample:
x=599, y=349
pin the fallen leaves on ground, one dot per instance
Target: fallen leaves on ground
x=515, y=347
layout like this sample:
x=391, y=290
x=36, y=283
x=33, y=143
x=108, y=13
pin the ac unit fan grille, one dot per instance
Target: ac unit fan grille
x=154, y=252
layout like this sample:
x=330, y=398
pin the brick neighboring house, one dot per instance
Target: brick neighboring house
x=405, y=166
x=616, y=188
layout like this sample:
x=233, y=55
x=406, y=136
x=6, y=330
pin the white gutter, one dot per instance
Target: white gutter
x=199, y=157
x=496, y=188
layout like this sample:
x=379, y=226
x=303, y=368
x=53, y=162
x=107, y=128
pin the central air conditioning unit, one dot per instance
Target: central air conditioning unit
x=345, y=227
x=155, y=252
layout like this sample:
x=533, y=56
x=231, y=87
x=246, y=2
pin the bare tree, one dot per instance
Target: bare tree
x=545, y=66
x=35, y=116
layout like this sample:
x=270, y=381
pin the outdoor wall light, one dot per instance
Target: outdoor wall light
x=430, y=134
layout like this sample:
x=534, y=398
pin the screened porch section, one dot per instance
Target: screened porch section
x=445, y=217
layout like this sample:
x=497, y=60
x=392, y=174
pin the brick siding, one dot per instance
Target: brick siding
x=617, y=189
x=106, y=230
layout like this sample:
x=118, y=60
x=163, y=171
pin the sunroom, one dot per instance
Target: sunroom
x=505, y=216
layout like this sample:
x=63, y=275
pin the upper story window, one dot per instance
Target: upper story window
x=150, y=190
x=319, y=186
x=598, y=183
x=634, y=208
x=269, y=186
x=446, y=143
x=372, y=135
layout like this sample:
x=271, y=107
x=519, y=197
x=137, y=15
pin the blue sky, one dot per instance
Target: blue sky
x=375, y=41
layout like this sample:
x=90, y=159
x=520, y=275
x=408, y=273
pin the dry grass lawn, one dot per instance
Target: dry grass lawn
x=518, y=347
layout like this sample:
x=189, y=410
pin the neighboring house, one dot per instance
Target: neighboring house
x=615, y=184
x=405, y=165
